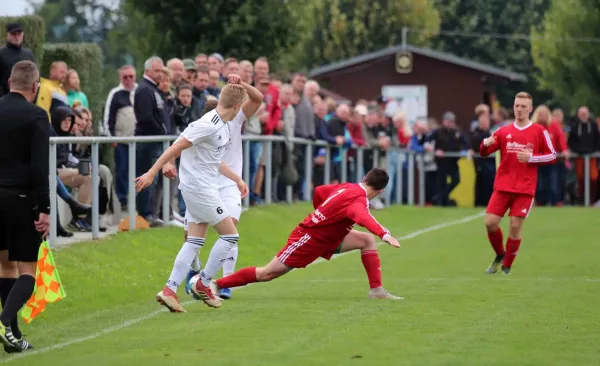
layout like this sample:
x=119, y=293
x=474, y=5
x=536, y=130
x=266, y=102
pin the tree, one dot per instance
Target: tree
x=571, y=70
x=240, y=28
x=510, y=21
x=337, y=29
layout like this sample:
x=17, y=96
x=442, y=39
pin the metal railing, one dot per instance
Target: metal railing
x=410, y=157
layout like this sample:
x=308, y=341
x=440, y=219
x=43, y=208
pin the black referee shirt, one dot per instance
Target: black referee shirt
x=24, y=140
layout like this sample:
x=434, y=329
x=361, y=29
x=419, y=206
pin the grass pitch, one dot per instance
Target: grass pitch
x=545, y=313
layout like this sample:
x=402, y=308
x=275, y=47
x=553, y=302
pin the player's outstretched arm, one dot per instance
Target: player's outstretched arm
x=227, y=172
x=360, y=214
x=171, y=153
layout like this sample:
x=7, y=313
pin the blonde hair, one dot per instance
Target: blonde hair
x=524, y=95
x=401, y=116
x=232, y=94
x=536, y=113
x=481, y=108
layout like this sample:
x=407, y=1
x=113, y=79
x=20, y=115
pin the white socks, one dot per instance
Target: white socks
x=185, y=257
x=229, y=263
x=217, y=256
x=196, y=265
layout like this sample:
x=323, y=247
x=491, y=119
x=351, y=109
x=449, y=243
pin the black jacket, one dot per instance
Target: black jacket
x=9, y=56
x=477, y=136
x=448, y=140
x=62, y=150
x=150, y=110
x=584, y=137
x=24, y=140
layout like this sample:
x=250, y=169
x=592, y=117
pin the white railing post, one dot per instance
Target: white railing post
x=53, y=196
x=95, y=191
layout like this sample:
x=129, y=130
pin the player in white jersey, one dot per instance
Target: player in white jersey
x=202, y=146
x=231, y=198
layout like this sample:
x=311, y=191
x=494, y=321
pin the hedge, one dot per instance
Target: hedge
x=35, y=33
x=86, y=58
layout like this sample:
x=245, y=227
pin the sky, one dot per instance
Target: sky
x=13, y=7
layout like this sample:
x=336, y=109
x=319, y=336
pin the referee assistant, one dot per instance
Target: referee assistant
x=24, y=197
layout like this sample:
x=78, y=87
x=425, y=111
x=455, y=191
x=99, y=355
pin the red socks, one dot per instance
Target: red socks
x=372, y=264
x=512, y=247
x=497, y=241
x=240, y=278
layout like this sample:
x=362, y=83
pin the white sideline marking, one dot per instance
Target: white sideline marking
x=128, y=323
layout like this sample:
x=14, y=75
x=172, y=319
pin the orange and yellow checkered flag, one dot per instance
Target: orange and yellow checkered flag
x=48, y=288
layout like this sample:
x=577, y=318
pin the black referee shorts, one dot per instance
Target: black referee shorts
x=18, y=235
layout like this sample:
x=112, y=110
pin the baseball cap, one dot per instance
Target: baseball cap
x=189, y=64
x=13, y=27
x=449, y=116
x=361, y=109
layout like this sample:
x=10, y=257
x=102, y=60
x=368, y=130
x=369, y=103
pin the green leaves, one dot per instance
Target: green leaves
x=246, y=29
x=569, y=69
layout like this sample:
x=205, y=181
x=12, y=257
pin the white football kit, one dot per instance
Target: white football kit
x=211, y=198
x=199, y=176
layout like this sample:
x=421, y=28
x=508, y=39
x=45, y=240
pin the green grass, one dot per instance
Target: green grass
x=544, y=314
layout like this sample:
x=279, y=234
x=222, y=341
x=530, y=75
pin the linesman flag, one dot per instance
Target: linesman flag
x=48, y=288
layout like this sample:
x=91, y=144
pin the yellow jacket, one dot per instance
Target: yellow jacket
x=51, y=95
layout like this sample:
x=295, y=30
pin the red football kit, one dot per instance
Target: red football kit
x=516, y=182
x=337, y=208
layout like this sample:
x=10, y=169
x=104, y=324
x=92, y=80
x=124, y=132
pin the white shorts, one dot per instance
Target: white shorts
x=231, y=200
x=204, y=207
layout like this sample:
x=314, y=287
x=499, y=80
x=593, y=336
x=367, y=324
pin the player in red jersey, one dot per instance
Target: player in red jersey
x=523, y=147
x=325, y=232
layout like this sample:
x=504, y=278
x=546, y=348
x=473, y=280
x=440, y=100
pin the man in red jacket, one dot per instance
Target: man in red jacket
x=523, y=147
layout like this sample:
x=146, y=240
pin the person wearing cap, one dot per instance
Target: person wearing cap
x=12, y=53
x=447, y=139
x=190, y=71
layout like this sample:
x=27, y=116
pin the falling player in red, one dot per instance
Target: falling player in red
x=523, y=147
x=325, y=232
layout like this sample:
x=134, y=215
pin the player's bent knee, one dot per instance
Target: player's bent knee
x=370, y=243
x=492, y=223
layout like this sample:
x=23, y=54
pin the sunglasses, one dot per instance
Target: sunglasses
x=16, y=33
x=128, y=76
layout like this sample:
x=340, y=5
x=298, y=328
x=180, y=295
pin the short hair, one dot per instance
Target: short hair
x=524, y=95
x=232, y=94
x=261, y=59
x=203, y=69
x=148, y=63
x=125, y=67
x=377, y=179
x=246, y=63
x=210, y=105
x=55, y=64
x=23, y=75
x=312, y=83
x=184, y=87
x=229, y=60
x=288, y=87
x=174, y=61
x=201, y=55
x=481, y=108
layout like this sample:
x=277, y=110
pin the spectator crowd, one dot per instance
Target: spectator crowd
x=170, y=96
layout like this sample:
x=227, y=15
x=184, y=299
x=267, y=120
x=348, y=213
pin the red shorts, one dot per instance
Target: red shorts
x=301, y=250
x=519, y=204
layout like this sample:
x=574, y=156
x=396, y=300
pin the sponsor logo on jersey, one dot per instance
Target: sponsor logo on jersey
x=515, y=147
x=317, y=217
